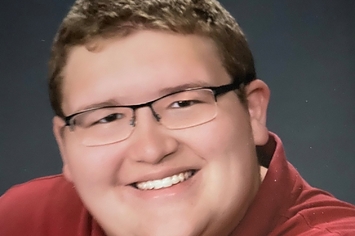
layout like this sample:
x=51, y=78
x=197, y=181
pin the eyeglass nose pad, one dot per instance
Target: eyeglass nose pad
x=156, y=115
x=132, y=122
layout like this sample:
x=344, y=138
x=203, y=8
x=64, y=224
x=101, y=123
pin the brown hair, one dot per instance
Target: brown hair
x=93, y=19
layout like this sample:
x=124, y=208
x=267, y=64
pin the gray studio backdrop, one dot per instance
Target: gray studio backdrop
x=304, y=50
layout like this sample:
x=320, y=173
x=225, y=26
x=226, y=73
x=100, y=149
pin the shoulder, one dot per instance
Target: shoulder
x=327, y=215
x=41, y=205
x=290, y=206
x=36, y=186
x=50, y=191
x=316, y=213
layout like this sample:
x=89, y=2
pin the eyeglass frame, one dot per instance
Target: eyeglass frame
x=217, y=91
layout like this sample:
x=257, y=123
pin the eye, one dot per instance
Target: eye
x=184, y=103
x=110, y=118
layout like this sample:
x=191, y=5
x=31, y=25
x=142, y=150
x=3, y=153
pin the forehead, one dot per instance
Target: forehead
x=139, y=67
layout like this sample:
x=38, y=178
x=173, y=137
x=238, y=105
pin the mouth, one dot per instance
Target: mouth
x=165, y=182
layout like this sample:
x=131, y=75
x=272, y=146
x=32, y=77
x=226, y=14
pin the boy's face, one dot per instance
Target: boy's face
x=139, y=68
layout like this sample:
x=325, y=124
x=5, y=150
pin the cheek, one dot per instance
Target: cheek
x=226, y=141
x=92, y=166
x=229, y=134
x=226, y=146
x=230, y=173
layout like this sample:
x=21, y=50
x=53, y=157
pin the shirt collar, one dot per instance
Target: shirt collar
x=264, y=212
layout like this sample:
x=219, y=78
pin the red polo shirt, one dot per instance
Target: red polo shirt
x=285, y=206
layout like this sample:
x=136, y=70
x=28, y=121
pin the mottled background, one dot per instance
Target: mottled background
x=304, y=50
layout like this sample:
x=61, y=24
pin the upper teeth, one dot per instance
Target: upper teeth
x=164, y=183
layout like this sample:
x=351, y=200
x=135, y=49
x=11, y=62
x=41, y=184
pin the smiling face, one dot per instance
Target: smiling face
x=213, y=166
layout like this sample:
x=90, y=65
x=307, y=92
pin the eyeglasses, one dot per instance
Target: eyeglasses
x=177, y=110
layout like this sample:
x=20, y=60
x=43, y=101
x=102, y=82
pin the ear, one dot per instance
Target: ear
x=258, y=95
x=58, y=130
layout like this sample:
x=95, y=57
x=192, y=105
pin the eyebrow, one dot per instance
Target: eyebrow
x=162, y=92
x=110, y=102
x=178, y=88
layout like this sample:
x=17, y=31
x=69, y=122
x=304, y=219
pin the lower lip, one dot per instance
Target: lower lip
x=169, y=192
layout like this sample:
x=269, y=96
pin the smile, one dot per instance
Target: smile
x=166, y=182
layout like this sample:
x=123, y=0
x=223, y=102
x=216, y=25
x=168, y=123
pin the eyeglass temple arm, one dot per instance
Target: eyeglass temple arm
x=226, y=88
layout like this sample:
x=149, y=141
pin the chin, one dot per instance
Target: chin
x=160, y=227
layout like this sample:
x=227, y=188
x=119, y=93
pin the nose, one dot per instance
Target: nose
x=150, y=141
